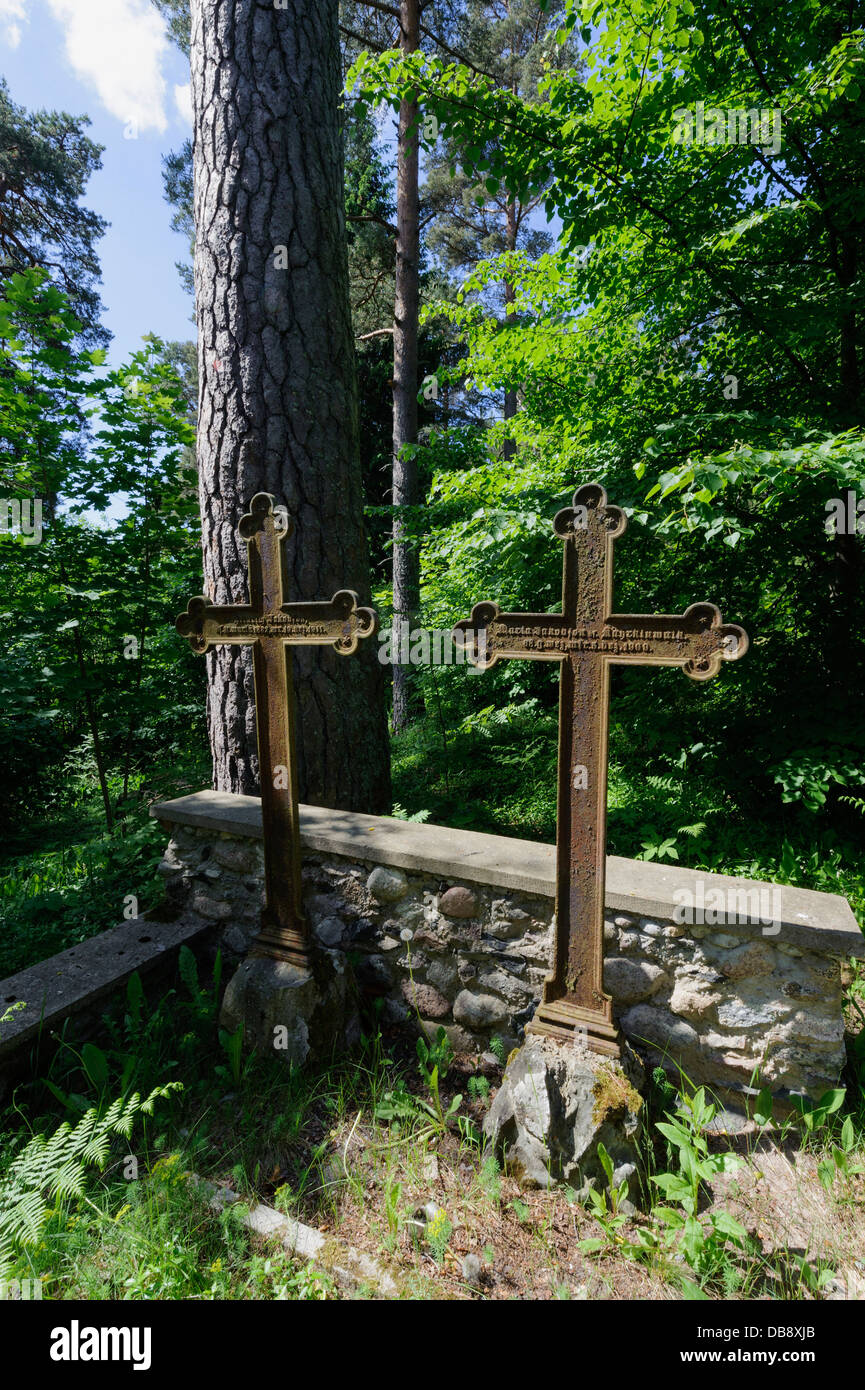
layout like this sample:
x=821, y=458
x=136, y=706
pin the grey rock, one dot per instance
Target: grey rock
x=395, y=1011
x=322, y=905
x=374, y=974
x=409, y=912
x=213, y=909
x=387, y=885
x=631, y=980
x=729, y=1122
x=443, y=975
x=645, y=1023
x=752, y=958
x=471, y=1269
x=479, y=1010
x=329, y=931
x=364, y=930
x=694, y=995
x=169, y=868
x=516, y=967
x=503, y=929
x=238, y=858
x=293, y=1014
x=459, y=1039
x=236, y=940
x=555, y=1106
x=508, y=986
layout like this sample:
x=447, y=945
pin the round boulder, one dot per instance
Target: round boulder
x=479, y=1010
x=459, y=902
x=427, y=1000
x=387, y=885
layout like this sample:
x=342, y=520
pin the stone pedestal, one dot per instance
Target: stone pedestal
x=556, y=1104
x=298, y=1015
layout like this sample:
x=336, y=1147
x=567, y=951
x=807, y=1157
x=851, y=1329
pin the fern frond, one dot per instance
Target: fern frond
x=693, y=830
x=188, y=967
x=56, y=1168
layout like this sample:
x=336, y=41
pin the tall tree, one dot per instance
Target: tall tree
x=377, y=24
x=277, y=405
x=512, y=42
x=45, y=162
x=406, y=562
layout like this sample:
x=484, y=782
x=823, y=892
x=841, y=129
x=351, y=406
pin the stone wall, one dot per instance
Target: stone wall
x=722, y=1002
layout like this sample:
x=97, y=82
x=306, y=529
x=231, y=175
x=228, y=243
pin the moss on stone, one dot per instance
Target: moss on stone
x=613, y=1096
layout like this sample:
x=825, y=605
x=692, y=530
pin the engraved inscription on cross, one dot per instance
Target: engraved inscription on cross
x=586, y=638
x=271, y=626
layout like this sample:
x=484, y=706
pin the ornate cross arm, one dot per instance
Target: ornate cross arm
x=340, y=623
x=489, y=634
x=698, y=641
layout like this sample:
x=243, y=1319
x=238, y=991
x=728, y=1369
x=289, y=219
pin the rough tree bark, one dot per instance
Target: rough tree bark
x=406, y=564
x=277, y=395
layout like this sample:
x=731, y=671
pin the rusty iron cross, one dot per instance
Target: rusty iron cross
x=271, y=626
x=587, y=638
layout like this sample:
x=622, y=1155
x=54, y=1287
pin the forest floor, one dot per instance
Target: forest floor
x=364, y=1152
x=422, y=1201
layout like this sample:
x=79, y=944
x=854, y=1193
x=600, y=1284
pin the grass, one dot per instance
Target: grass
x=64, y=877
x=362, y=1147
x=358, y=1150
x=52, y=898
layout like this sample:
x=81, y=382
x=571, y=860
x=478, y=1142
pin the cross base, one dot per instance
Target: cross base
x=282, y=943
x=565, y=1021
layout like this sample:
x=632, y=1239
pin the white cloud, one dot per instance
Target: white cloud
x=118, y=47
x=183, y=101
x=10, y=12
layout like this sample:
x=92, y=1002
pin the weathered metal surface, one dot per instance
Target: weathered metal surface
x=270, y=626
x=587, y=638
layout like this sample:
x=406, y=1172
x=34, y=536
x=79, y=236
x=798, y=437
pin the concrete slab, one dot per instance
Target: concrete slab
x=75, y=979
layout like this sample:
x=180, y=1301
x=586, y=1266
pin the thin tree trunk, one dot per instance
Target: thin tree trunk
x=406, y=562
x=93, y=725
x=277, y=392
x=90, y=710
x=510, y=448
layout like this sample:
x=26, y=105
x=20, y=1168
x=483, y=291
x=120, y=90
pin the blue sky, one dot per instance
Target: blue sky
x=112, y=60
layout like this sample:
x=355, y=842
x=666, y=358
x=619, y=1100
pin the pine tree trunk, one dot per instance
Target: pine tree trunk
x=406, y=563
x=277, y=395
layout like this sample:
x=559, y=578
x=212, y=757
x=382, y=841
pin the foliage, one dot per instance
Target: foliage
x=93, y=670
x=434, y=1059
x=689, y=344
x=56, y=1168
x=46, y=160
x=439, y=1230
